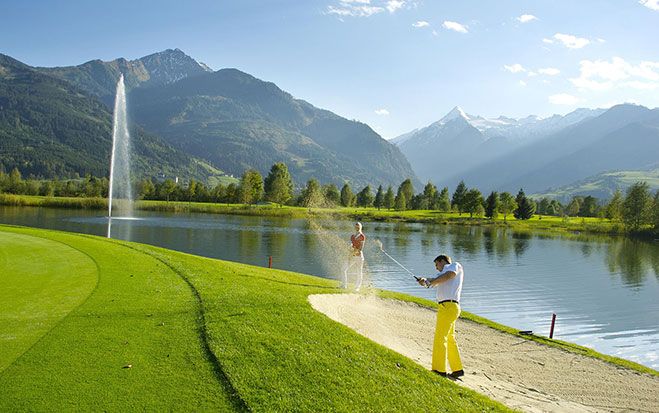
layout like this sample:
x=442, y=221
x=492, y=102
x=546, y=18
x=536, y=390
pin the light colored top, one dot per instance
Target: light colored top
x=450, y=289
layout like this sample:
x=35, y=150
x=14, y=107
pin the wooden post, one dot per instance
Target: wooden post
x=270, y=261
x=553, y=321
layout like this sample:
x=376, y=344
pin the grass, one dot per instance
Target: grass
x=200, y=334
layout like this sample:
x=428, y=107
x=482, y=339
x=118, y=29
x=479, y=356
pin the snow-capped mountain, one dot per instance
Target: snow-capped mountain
x=477, y=139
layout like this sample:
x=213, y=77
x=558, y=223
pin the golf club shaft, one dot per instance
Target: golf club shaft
x=401, y=265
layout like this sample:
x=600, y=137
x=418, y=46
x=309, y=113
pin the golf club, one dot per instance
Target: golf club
x=394, y=260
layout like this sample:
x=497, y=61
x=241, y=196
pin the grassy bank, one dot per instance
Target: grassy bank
x=537, y=223
x=153, y=329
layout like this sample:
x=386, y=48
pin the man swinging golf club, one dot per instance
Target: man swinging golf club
x=449, y=286
x=356, y=257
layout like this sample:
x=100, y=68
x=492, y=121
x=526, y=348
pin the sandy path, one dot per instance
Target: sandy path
x=520, y=373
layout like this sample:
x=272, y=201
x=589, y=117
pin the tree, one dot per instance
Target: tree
x=525, y=206
x=472, y=201
x=614, y=207
x=251, y=187
x=167, y=188
x=191, y=190
x=492, y=205
x=347, y=197
x=543, y=206
x=232, y=194
x=588, y=207
x=655, y=208
x=429, y=196
x=389, y=199
x=399, y=202
x=636, y=210
x=278, y=184
x=508, y=204
x=406, y=190
x=555, y=208
x=458, y=197
x=365, y=197
x=332, y=194
x=15, y=181
x=574, y=207
x=146, y=189
x=312, y=195
x=379, y=198
x=443, y=203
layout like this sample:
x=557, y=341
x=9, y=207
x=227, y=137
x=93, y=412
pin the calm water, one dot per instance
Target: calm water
x=604, y=291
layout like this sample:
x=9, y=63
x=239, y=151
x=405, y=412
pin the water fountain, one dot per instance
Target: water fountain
x=120, y=192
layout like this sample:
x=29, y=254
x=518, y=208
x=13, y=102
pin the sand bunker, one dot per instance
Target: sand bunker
x=519, y=373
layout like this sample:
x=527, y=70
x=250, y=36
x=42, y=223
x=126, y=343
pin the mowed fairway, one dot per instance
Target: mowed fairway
x=198, y=334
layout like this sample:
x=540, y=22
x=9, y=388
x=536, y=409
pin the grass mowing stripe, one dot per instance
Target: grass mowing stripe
x=141, y=314
x=41, y=282
x=221, y=376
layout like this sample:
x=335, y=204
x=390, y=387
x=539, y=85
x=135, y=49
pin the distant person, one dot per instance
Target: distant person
x=356, y=257
x=449, y=286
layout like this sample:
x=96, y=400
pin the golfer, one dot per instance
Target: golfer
x=356, y=257
x=449, y=286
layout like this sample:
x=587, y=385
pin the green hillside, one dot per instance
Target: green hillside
x=238, y=121
x=49, y=128
x=603, y=185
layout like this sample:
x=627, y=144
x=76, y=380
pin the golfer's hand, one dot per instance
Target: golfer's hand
x=422, y=282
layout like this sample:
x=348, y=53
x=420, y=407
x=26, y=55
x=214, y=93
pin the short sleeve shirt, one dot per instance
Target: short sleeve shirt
x=451, y=289
x=357, y=241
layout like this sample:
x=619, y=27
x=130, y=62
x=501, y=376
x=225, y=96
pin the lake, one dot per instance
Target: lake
x=605, y=291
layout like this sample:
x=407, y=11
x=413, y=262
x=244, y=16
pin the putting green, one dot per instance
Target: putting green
x=141, y=314
x=41, y=281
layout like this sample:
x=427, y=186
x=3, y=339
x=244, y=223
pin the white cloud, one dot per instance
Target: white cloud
x=434, y=33
x=650, y=4
x=532, y=73
x=600, y=40
x=525, y=18
x=421, y=23
x=563, y=99
x=455, y=26
x=382, y=112
x=393, y=5
x=548, y=41
x=603, y=75
x=522, y=83
x=366, y=8
x=570, y=41
x=516, y=68
x=549, y=71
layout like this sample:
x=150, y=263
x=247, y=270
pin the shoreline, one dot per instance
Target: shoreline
x=538, y=224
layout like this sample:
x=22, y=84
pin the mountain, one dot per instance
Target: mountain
x=100, y=78
x=473, y=141
x=624, y=137
x=237, y=121
x=50, y=128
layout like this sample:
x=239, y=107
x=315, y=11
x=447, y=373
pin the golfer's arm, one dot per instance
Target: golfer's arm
x=441, y=278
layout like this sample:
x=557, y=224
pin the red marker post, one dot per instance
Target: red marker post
x=553, y=321
x=270, y=261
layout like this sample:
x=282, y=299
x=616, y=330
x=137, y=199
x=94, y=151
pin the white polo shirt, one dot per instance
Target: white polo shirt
x=451, y=289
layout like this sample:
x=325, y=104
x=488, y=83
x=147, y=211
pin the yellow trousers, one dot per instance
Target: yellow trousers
x=445, y=348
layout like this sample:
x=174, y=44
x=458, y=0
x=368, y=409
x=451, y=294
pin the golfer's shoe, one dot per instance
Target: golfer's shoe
x=457, y=374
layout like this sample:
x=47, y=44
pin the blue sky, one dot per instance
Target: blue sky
x=393, y=64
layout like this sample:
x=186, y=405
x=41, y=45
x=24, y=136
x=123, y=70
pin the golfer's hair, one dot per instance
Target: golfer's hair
x=444, y=258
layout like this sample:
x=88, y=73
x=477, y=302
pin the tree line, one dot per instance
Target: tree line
x=636, y=209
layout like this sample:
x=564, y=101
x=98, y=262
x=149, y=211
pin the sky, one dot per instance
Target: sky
x=396, y=65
